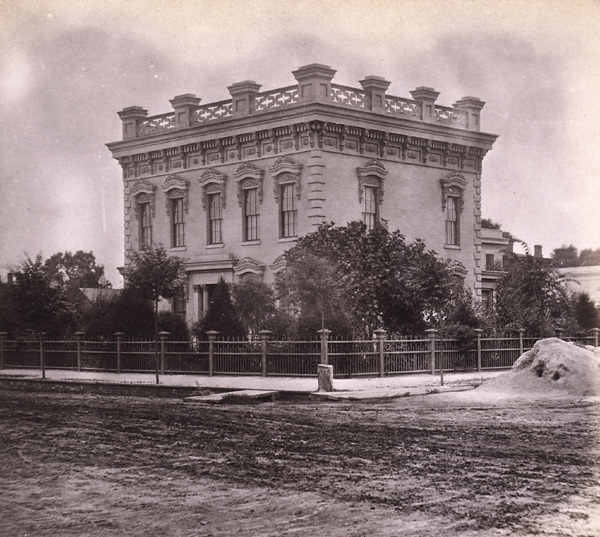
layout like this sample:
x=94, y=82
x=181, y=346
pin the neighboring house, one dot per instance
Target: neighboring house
x=583, y=279
x=230, y=186
x=495, y=246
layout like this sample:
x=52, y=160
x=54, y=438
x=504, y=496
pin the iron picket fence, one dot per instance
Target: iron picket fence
x=378, y=356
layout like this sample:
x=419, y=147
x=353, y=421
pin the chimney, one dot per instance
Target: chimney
x=537, y=251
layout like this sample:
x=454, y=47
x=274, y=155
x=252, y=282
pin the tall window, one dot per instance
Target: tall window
x=177, y=224
x=452, y=221
x=288, y=211
x=370, y=212
x=251, y=214
x=215, y=219
x=145, y=216
x=178, y=302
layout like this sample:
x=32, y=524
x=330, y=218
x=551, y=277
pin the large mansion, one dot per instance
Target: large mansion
x=230, y=186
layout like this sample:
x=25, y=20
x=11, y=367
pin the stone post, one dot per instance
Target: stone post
x=325, y=377
x=212, y=336
x=264, y=338
x=472, y=107
x=242, y=95
x=184, y=105
x=431, y=334
x=314, y=82
x=375, y=87
x=521, y=346
x=131, y=117
x=594, y=331
x=119, y=336
x=380, y=334
x=426, y=96
x=479, y=333
x=324, y=334
x=163, y=335
x=3, y=338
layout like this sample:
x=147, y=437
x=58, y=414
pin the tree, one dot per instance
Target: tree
x=531, y=295
x=39, y=302
x=586, y=313
x=255, y=303
x=374, y=277
x=221, y=315
x=156, y=275
x=76, y=270
x=565, y=256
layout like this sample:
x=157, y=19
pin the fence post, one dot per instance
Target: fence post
x=78, y=338
x=521, y=347
x=431, y=333
x=3, y=337
x=264, y=336
x=324, y=333
x=212, y=335
x=594, y=332
x=558, y=332
x=163, y=338
x=42, y=357
x=380, y=334
x=479, y=332
x=119, y=336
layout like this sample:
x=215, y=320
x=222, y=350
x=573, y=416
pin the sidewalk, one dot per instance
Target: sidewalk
x=359, y=387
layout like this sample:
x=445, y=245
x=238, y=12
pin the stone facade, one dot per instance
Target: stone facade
x=230, y=186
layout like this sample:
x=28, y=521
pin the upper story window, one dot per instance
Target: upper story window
x=370, y=207
x=453, y=188
x=213, y=184
x=287, y=190
x=143, y=194
x=215, y=218
x=251, y=215
x=145, y=219
x=177, y=223
x=371, y=177
x=176, y=197
x=452, y=222
x=288, y=212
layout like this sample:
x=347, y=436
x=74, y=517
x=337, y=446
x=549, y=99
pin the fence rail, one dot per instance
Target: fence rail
x=265, y=357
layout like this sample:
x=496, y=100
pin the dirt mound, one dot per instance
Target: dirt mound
x=552, y=366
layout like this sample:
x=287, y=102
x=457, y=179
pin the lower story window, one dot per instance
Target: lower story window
x=178, y=303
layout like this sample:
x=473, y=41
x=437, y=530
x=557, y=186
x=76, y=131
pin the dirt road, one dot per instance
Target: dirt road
x=74, y=465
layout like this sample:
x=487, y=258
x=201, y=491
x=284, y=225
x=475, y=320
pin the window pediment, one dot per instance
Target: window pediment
x=453, y=186
x=143, y=192
x=371, y=174
x=248, y=265
x=213, y=182
x=286, y=171
x=175, y=187
x=249, y=176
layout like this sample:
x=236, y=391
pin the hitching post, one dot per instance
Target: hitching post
x=212, y=335
x=78, y=338
x=479, y=332
x=42, y=358
x=559, y=332
x=324, y=370
x=521, y=347
x=119, y=336
x=431, y=333
x=3, y=337
x=264, y=337
x=163, y=339
x=380, y=335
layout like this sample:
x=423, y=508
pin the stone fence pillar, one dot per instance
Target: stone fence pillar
x=264, y=338
x=212, y=336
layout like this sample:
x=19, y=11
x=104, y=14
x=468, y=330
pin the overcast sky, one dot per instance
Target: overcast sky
x=67, y=67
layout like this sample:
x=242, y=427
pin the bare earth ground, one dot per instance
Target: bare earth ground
x=441, y=465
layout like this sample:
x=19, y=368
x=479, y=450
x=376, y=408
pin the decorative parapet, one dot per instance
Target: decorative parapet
x=314, y=84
